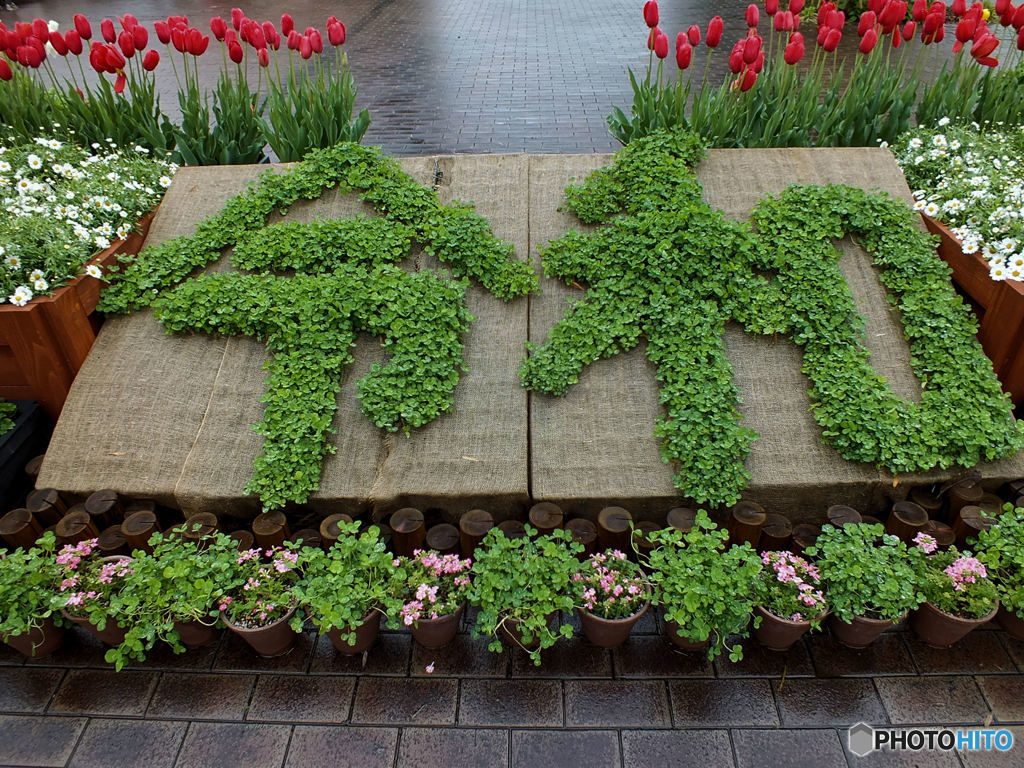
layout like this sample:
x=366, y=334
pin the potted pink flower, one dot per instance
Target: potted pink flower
x=91, y=590
x=433, y=589
x=790, y=600
x=611, y=596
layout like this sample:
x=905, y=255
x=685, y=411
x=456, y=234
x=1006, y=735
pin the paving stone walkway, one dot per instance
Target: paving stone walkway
x=642, y=705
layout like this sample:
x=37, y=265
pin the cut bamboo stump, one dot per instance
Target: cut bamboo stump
x=745, y=523
x=112, y=541
x=309, y=537
x=47, y=505
x=928, y=501
x=942, y=533
x=513, y=529
x=271, y=529
x=407, y=531
x=681, y=518
x=473, y=526
x=105, y=508
x=545, y=517
x=32, y=468
x=641, y=539
x=1012, y=490
x=960, y=497
x=244, y=540
x=991, y=503
x=444, y=538
x=76, y=526
x=330, y=531
x=906, y=520
x=970, y=522
x=804, y=536
x=197, y=527
x=584, y=532
x=138, y=527
x=776, y=534
x=613, y=529
x=19, y=528
x=839, y=515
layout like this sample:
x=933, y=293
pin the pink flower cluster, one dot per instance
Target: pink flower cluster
x=71, y=554
x=927, y=543
x=965, y=570
x=437, y=582
x=796, y=583
x=610, y=585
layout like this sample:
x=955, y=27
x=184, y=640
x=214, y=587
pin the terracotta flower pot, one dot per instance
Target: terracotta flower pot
x=511, y=632
x=684, y=643
x=777, y=633
x=366, y=635
x=609, y=633
x=1009, y=621
x=274, y=639
x=196, y=634
x=436, y=633
x=861, y=632
x=112, y=634
x=38, y=642
x=939, y=629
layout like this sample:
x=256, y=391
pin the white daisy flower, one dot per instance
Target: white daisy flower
x=40, y=284
x=943, y=122
x=931, y=209
x=998, y=273
x=21, y=296
x=35, y=164
x=165, y=181
x=5, y=167
x=919, y=205
x=12, y=261
x=915, y=143
x=36, y=274
x=93, y=270
x=969, y=246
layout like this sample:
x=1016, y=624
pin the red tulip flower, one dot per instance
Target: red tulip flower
x=236, y=18
x=868, y=42
x=263, y=57
x=824, y=11
x=317, y=42
x=651, y=13
x=235, y=52
x=932, y=22
x=5, y=70
x=151, y=59
x=749, y=78
x=965, y=29
x=751, y=47
x=867, y=21
x=1001, y=6
x=129, y=21
x=984, y=46
x=753, y=15
x=83, y=27
x=179, y=39
x=115, y=61
x=197, y=42
x=908, y=30
x=107, y=30
x=795, y=6
x=684, y=55
x=336, y=33
x=959, y=7
x=771, y=7
x=893, y=13
x=294, y=40
x=41, y=30
x=218, y=27
x=57, y=41
x=306, y=47
x=287, y=24
x=714, y=34
x=271, y=34
x=140, y=36
x=758, y=64
x=1018, y=18
x=831, y=41
x=736, y=58
x=97, y=59
x=794, y=49
x=693, y=35
x=163, y=31
x=119, y=82
x=73, y=40
x=127, y=44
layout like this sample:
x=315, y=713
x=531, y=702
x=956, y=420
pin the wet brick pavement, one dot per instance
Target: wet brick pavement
x=641, y=705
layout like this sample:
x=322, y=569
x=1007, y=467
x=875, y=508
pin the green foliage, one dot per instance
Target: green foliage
x=968, y=93
x=352, y=580
x=956, y=583
x=1001, y=549
x=180, y=581
x=263, y=587
x=867, y=572
x=7, y=415
x=233, y=137
x=708, y=590
x=519, y=584
x=29, y=587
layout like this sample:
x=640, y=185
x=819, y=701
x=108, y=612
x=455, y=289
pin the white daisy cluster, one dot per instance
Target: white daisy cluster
x=972, y=179
x=60, y=203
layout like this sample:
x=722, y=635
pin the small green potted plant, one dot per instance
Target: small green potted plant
x=1001, y=549
x=91, y=590
x=347, y=590
x=262, y=608
x=870, y=580
x=790, y=600
x=173, y=594
x=958, y=594
x=30, y=620
x=706, y=590
x=520, y=584
x=611, y=595
x=433, y=589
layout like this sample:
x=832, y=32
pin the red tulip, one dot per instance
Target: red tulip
x=57, y=41
x=177, y=21
x=824, y=11
x=749, y=78
x=287, y=24
x=179, y=39
x=218, y=26
x=294, y=40
x=151, y=59
x=795, y=6
x=336, y=33
x=127, y=44
x=965, y=29
x=35, y=56
x=140, y=36
x=270, y=32
x=984, y=46
x=794, y=49
x=867, y=21
x=1001, y=6
x=197, y=42
x=129, y=21
x=23, y=28
x=119, y=82
x=684, y=54
x=771, y=7
x=230, y=36
x=836, y=20
x=97, y=58
x=868, y=42
x=908, y=30
x=758, y=64
x=661, y=45
x=317, y=42
x=41, y=30
x=263, y=57
x=5, y=70
x=714, y=34
x=256, y=37
x=959, y=7
x=115, y=60
x=875, y=6
x=305, y=47
x=235, y=52
x=107, y=30
x=919, y=10
x=753, y=15
x=83, y=27
x=832, y=38
x=1018, y=17
x=693, y=35
x=163, y=31
x=751, y=47
x=736, y=58
x=651, y=13
x=236, y=18
x=932, y=22
x=73, y=41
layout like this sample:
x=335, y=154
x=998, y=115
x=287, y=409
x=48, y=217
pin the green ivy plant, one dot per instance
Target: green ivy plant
x=706, y=587
x=1001, y=549
x=342, y=279
x=29, y=583
x=867, y=572
x=667, y=267
x=353, y=579
x=519, y=584
x=7, y=412
x=181, y=581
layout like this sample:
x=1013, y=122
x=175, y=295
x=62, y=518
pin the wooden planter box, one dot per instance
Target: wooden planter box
x=999, y=305
x=43, y=344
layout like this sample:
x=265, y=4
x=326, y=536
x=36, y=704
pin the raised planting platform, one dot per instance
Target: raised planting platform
x=167, y=417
